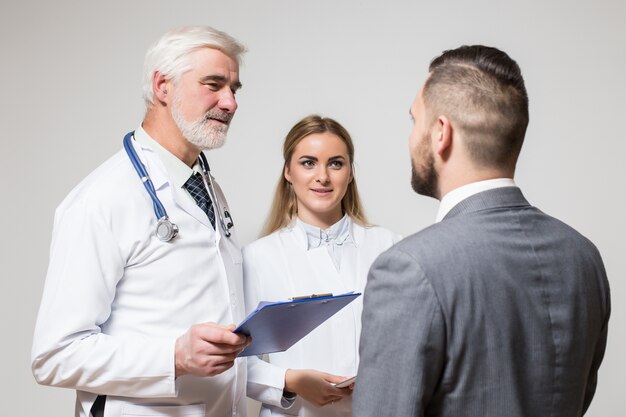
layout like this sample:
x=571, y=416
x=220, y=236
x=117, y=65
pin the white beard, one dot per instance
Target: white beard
x=201, y=132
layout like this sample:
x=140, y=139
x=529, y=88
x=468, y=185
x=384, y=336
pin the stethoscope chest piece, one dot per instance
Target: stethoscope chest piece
x=166, y=230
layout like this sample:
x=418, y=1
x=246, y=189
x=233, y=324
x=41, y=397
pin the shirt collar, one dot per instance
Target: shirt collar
x=457, y=195
x=338, y=234
x=177, y=170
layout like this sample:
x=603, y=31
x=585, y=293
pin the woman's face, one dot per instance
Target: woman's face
x=320, y=172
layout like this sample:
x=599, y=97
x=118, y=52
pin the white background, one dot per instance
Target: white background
x=70, y=77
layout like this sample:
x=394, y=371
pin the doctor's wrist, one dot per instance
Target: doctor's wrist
x=179, y=368
x=293, y=379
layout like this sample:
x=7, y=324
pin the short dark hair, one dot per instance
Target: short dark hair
x=481, y=90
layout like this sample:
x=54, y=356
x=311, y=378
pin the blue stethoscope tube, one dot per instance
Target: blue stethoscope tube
x=159, y=210
x=166, y=230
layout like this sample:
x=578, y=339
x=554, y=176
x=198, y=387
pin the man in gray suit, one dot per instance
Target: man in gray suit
x=497, y=310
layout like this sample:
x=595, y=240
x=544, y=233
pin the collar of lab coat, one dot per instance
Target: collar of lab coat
x=161, y=177
x=354, y=235
x=154, y=165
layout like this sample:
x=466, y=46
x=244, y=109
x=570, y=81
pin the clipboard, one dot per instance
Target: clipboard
x=276, y=326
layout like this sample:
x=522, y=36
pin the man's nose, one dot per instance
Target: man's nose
x=228, y=102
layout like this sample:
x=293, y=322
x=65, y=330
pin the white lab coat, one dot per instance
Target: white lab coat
x=279, y=266
x=116, y=298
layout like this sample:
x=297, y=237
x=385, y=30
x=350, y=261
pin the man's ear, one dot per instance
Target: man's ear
x=443, y=139
x=159, y=87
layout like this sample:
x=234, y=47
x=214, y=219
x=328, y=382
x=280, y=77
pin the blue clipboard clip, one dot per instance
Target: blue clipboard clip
x=276, y=326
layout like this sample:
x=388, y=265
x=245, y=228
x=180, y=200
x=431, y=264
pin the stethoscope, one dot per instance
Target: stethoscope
x=165, y=229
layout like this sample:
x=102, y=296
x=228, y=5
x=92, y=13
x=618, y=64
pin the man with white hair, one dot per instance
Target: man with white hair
x=144, y=280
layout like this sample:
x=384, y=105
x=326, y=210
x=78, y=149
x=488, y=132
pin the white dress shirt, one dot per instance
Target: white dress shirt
x=333, y=238
x=178, y=171
x=457, y=195
x=287, y=264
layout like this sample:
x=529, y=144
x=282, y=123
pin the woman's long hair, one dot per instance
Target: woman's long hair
x=285, y=205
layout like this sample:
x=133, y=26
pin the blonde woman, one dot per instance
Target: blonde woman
x=316, y=240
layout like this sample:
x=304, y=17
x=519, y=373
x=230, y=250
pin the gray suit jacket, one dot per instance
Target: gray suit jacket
x=497, y=311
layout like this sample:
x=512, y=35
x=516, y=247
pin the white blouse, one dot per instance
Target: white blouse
x=285, y=264
x=333, y=238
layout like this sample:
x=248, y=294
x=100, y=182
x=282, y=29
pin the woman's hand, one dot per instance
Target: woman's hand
x=316, y=387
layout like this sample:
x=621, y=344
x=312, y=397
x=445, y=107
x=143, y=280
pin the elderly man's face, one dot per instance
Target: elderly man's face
x=424, y=179
x=204, y=98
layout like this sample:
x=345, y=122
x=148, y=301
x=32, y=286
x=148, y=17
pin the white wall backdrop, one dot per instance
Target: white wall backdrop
x=71, y=74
